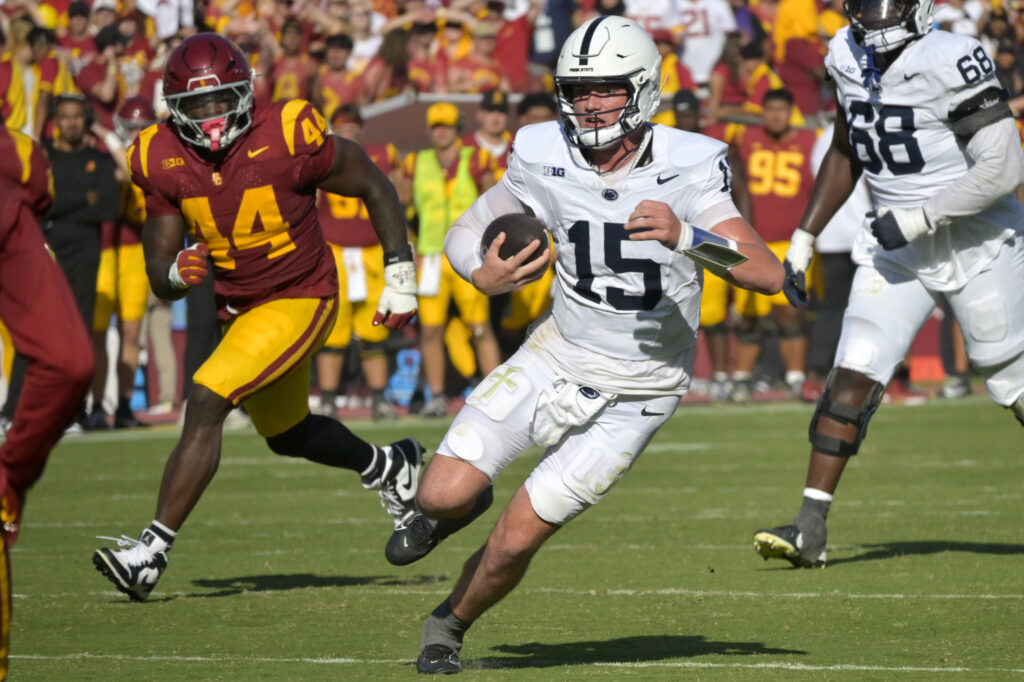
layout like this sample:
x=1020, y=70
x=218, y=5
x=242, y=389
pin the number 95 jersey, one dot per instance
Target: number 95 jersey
x=255, y=209
x=616, y=299
x=908, y=135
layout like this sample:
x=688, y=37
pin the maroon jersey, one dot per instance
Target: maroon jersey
x=24, y=174
x=344, y=219
x=255, y=210
x=338, y=87
x=291, y=77
x=779, y=179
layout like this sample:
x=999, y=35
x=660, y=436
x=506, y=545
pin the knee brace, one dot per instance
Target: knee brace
x=844, y=414
x=717, y=329
x=791, y=331
x=371, y=349
x=1018, y=409
x=749, y=331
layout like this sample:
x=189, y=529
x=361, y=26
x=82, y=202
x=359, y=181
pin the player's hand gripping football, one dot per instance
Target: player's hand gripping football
x=398, y=299
x=498, y=276
x=655, y=220
x=798, y=259
x=896, y=227
x=189, y=267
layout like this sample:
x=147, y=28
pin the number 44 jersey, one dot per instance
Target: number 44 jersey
x=625, y=313
x=254, y=209
x=909, y=134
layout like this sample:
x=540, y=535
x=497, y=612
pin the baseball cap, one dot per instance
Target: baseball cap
x=78, y=9
x=97, y=5
x=663, y=35
x=685, y=100
x=442, y=114
x=494, y=100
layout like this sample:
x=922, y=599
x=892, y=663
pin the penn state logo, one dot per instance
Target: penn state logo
x=590, y=393
x=610, y=194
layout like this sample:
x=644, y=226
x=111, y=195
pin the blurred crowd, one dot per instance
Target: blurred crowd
x=84, y=78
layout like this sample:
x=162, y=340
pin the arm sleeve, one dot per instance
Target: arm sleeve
x=997, y=171
x=462, y=243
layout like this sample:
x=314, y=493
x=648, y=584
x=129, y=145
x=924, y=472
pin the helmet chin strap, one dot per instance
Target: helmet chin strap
x=215, y=129
x=872, y=74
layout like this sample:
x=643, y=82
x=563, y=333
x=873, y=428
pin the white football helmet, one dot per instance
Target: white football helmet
x=888, y=24
x=609, y=49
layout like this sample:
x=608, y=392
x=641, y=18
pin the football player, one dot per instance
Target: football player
x=605, y=368
x=37, y=306
x=242, y=182
x=121, y=284
x=921, y=113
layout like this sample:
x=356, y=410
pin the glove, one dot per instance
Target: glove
x=896, y=227
x=398, y=299
x=189, y=267
x=798, y=259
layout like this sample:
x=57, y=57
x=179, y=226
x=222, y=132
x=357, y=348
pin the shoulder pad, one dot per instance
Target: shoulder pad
x=686, y=149
x=534, y=142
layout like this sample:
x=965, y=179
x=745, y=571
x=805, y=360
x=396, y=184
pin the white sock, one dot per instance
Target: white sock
x=795, y=376
x=816, y=494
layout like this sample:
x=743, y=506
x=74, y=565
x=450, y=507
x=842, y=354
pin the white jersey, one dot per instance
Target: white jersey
x=706, y=22
x=904, y=140
x=838, y=235
x=625, y=313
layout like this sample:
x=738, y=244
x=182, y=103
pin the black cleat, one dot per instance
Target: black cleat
x=787, y=542
x=438, y=659
x=418, y=536
x=133, y=571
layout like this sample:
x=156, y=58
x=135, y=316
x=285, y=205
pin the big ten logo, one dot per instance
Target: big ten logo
x=258, y=207
x=347, y=208
x=174, y=162
x=775, y=172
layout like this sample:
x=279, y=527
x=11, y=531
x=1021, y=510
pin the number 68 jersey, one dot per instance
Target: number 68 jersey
x=255, y=209
x=909, y=135
x=625, y=313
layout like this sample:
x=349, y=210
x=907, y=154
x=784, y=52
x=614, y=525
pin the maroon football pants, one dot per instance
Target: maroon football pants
x=37, y=306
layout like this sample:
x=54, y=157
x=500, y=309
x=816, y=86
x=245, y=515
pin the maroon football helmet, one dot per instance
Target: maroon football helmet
x=134, y=116
x=208, y=88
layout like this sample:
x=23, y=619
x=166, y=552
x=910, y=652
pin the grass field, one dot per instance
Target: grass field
x=280, y=574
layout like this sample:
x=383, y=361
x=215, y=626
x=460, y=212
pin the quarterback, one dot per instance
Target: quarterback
x=605, y=367
x=921, y=113
x=241, y=181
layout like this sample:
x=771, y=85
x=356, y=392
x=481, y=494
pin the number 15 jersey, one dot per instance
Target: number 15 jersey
x=903, y=135
x=255, y=209
x=626, y=312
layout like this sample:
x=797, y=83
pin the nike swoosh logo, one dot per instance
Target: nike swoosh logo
x=645, y=413
x=148, y=576
x=908, y=76
x=253, y=153
x=662, y=181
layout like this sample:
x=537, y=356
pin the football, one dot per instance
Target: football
x=520, y=229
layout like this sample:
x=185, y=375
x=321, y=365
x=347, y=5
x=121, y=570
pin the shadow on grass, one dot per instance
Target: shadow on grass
x=892, y=550
x=227, y=587
x=621, y=650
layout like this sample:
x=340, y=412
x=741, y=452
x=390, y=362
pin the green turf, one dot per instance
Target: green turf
x=280, y=574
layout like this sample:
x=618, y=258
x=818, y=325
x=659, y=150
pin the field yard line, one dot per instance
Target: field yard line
x=668, y=591
x=482, y=663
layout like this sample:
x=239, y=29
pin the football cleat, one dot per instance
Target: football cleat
x=418, y=536
x=437, y=406
x=438, y=659
x=787, y=542
x=135, y=570
x=400, y=478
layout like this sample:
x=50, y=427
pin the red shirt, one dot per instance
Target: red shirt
x=797, y=72
x=291, y=77
x=428, y=75
x=78, y=50
x=337, y=88
x=91, y=75
x=483, y=74
x=512, y=50
x=344, y=219
x=779, y=179
x=255, y=210
x=734, y=92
